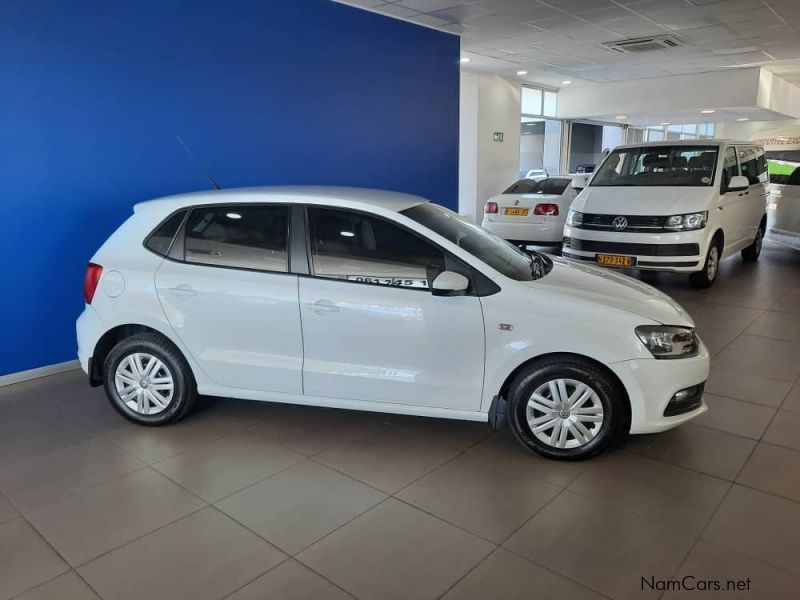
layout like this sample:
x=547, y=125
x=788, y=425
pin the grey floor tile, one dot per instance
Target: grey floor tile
x=747, y=387
x=68, y=586
x=762, y=356
x=451, y=432
x=784, y=429
x=773, y=469
x=604, y=548
x=716, y=340
x=778, y=325
x=99, y=519
x=724, y=317
x=489, y=499
x=504, y=575
x=789, y=302
x=680, y=499
x=291, y=581
x=300, y=505
x=695, y=447
x=735, y=416
x=395, y=552
x=26, y=560
x=203, y=556
x=388, y=459
x=7, y=511
x=220, y=468
x=708, y=561
x=46, y=479
x=759, y=525
x=792, y=401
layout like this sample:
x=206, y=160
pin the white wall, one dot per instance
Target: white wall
x=744, y=131
x=489, y=103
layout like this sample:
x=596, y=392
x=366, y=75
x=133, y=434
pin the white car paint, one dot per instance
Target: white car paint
x=373, y=347
x=734, y=214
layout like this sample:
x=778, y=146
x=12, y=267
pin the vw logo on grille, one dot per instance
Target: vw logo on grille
x=619, y=223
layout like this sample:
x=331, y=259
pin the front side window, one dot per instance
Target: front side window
x=238, y=236
x=356, y=247
x=730, y=167
x=658, y=166
x=753, y=164
x=552, y=185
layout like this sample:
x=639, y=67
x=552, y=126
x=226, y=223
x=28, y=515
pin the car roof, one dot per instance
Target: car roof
x=334, y=195
x=709, y=142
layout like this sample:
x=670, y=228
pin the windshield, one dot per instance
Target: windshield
x=483, y=245
x=552, y=185
x=658, y=166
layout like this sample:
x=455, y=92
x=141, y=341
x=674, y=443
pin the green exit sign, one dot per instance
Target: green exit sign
x=497, y=136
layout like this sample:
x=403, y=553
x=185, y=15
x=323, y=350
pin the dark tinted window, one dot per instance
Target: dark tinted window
x=753, y=164
x=729, y=166
x=161, y=239
x=245, y=237
x=658, y=166
x=552, y=185
x=357, y=247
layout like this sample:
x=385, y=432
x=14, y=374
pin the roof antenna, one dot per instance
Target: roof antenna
x=211, y=180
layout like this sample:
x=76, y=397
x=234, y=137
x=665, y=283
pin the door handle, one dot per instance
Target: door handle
x=184, y=290
x=324, y=306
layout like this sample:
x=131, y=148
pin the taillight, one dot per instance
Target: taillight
x=546, y=209
x=491, y=208
x=90, y=281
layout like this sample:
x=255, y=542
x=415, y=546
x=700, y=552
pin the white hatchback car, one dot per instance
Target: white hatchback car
x=378, y=301
x=531, y=212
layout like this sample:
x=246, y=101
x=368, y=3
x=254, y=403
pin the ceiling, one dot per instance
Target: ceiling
x=558, y=40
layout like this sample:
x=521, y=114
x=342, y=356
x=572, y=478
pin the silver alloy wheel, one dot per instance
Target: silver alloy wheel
x=144, y=383
x=713, y=263
x=564, y=413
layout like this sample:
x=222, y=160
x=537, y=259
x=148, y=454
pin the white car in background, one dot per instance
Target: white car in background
x=536, y=174
x=379, y=301
x=531, y=212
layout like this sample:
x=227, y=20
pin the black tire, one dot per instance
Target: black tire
x=184, y=392
x=572, y=368
x=753, y=251
x=706, y=277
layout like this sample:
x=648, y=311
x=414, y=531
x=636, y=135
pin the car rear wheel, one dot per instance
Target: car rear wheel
x=148, y=381
x=565, y=408
x=706, y=277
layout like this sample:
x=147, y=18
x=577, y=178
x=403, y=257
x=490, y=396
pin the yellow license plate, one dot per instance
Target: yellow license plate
x=516, y=212
x=610, y=260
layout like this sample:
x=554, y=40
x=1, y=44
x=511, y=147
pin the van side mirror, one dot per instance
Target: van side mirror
x=449, y=283
x=579, y=182
x=738, y=183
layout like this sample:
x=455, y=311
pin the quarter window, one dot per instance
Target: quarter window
x=244, y=237
x=754, y=164
x=356, y=247
x=161, y=239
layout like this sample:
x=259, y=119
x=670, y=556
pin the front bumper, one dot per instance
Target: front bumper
x=652, y=383
x=547, y=232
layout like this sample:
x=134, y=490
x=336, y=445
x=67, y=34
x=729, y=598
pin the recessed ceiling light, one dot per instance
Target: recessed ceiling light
x=522, y=72
x=566, y=82
x=621, y=117
x=707, y=111
x=742, y=119
x=465, y=59
x=666, y=123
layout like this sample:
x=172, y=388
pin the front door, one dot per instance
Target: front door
x=372, y=330
x=733, y=208
x=753, y=164
x=232, y=301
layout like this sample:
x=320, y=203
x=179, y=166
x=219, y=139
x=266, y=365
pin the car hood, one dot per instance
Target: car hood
x=612, y=289
x=650, y=200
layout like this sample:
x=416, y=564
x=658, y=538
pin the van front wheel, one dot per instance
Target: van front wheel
x=753, y=251
x=706, y=277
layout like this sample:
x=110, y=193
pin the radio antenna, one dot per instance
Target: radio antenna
x=208, y=176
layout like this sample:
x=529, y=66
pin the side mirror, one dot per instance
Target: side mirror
x=579, y=182
x=738, y=183
x=449, y=283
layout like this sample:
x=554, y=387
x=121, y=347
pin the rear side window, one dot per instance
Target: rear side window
x=753, y=164
x=243, y=237
x=161, y=239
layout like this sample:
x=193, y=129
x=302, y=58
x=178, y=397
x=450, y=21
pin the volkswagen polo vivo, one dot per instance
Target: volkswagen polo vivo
x=672, y=206
x=378, y=301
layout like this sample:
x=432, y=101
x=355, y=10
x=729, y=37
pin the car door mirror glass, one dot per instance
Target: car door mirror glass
x=738, y=183
x=449, y=283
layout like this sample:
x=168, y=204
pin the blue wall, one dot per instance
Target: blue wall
x=93, y=94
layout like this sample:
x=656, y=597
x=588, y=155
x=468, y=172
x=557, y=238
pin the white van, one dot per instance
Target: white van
x=677, y=206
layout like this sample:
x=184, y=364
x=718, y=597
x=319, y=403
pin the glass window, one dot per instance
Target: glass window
x=357, y=247
x=531, y=101
x=240, y=236
x=658, y=166
x=483, y=245
x=552, y=185
x=161, y=239
x=550, y=104
x=729, y=166
x=753, y=164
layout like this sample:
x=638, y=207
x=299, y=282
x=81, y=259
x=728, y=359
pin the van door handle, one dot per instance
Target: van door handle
x=324, y=306
x=184, y=290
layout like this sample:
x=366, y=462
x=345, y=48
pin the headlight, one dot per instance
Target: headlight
x=665, y=341
x=687, y=222
x=574, y=218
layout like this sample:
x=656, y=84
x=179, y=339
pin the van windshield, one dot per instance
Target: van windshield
x=658, y=166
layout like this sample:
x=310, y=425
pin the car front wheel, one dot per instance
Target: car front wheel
x=706, y=277
x=565, y=408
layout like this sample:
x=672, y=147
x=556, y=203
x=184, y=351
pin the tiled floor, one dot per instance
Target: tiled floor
x=247, y=500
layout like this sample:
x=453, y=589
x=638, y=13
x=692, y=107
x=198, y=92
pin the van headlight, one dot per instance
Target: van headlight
x=666, y=341
x=687, y=222
x=574, y=218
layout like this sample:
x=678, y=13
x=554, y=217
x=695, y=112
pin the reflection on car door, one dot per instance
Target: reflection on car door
x=231, y=299
x=372, y=330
